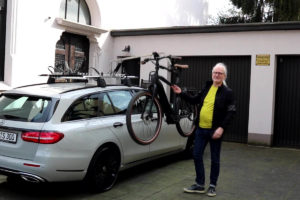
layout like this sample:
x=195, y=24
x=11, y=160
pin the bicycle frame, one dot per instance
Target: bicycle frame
x=150, y=106
x=157, y=88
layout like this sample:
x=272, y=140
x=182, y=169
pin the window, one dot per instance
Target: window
x=24, y=108
x=106, y=107
x=132, y=67
x=143, y=104
x=76, y=11
x=17, y=104
x=74, y=50
x=84, y=108
x=120, y=100
x=103, y=104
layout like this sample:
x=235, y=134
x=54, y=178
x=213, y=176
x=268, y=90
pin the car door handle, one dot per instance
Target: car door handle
x=116, y=124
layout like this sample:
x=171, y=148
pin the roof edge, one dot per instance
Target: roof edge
x=292, y=25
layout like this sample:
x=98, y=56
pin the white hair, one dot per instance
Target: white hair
x=225, y=71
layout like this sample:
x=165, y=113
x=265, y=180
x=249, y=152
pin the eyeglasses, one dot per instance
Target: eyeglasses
x=218, y=73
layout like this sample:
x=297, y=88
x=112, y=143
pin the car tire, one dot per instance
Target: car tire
x=103, y=170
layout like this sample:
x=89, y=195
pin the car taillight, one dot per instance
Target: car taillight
x=42, y=137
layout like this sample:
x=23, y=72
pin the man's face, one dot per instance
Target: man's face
x=218, y=75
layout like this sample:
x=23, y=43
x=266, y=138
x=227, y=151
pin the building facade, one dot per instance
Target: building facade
x=39, y=34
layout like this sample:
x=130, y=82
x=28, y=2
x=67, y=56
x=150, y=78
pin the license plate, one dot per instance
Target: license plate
x=8, y=137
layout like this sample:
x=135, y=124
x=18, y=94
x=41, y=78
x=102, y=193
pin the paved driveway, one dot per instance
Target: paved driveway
x=247, y=172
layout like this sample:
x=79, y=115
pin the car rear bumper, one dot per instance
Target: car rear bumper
x=50, y=171
x=24, y=175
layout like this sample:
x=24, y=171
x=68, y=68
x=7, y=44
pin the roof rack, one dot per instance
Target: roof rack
x=58, y=77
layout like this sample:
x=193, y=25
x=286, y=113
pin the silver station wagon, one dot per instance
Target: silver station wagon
x=74, y=131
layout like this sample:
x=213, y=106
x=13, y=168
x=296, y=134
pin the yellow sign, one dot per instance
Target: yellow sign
x=263, y=59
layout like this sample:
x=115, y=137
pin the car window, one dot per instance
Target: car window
x=134, y=91
x=17, y=104
x=144, y=103
x=83, y=108
x=106, y=107
x=120, y=100
x=24, y=108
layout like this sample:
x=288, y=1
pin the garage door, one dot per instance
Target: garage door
x=238, y=79
x=287, y=102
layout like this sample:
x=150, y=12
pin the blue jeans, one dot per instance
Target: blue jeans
x=202, y=137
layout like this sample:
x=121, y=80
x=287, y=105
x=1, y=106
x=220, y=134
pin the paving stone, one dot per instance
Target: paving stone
x=247, y=173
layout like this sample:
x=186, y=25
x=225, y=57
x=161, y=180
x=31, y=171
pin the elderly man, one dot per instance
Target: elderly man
x=217, y=108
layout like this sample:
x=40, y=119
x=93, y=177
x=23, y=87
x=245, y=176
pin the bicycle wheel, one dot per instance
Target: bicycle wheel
x=187, y=115
x=143, y=123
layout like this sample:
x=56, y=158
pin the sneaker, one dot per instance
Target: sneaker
x=195, y=189
x=211, y=192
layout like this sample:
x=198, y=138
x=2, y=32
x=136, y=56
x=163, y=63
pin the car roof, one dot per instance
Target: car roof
x=56, y=89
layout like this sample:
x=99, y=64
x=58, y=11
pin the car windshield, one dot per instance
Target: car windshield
x=24, y=108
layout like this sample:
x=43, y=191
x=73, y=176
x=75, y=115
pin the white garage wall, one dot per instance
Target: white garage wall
x=262, y=87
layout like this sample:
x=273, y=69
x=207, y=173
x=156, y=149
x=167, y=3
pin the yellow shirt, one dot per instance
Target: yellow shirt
x=207, y=110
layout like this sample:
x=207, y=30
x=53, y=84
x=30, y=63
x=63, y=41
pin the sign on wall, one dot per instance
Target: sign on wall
x=263, y=60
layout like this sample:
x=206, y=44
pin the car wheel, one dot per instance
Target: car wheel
x=103, y=170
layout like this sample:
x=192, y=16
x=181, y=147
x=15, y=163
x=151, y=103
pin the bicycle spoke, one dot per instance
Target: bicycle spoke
x=144, y=123
x=187, y=122
x=187, y=114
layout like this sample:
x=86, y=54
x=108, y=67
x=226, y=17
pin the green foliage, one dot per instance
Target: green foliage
x=262, y=11
x=287, y=10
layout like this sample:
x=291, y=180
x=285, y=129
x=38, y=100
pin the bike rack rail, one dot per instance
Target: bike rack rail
x=100, y=80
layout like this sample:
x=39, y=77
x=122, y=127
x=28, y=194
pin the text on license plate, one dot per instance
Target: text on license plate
x=8, y=137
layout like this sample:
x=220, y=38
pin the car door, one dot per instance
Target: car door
x=93, y=120
x=114, y=104
x=168, y=140
x=85, y=131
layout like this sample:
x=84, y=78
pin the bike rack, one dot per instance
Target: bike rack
x=101, y=81
x=145, y=83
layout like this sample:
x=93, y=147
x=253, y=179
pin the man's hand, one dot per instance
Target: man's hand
x=176, y=89
x=218, y=133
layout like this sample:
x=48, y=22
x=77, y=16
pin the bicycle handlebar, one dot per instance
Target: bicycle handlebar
x=181, y=66
x=156, y=58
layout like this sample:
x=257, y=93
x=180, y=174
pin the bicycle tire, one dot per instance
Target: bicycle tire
x=187, y=117
x=143, y=127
